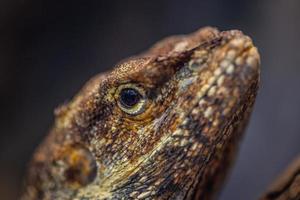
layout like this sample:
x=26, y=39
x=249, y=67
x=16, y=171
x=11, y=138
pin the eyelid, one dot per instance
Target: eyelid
x=139, y=107
x=132, y=86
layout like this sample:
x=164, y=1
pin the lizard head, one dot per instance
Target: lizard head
x=163, y=124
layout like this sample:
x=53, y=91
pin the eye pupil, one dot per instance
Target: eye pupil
x=129, y=97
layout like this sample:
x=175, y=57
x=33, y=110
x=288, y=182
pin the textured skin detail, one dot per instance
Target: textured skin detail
x=200, y=89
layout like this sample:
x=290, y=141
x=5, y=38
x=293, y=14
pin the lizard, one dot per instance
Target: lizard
x=164, y=124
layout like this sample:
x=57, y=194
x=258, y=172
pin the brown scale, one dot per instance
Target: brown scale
x=173, y=136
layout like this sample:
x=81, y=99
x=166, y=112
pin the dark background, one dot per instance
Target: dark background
x=49, y=48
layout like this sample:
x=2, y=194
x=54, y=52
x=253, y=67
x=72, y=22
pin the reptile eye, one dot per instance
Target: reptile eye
x=131, y=99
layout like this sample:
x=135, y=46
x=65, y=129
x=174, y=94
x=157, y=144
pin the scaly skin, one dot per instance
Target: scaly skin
x=198, y=92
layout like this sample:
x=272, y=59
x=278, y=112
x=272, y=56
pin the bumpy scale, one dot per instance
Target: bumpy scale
x=161, y=125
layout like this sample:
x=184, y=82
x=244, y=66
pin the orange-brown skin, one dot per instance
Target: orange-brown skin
x=198, y=92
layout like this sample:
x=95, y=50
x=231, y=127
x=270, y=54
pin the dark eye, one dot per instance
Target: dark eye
x=129, y=97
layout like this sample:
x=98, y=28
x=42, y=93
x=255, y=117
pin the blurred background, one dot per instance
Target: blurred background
x=50, y=48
